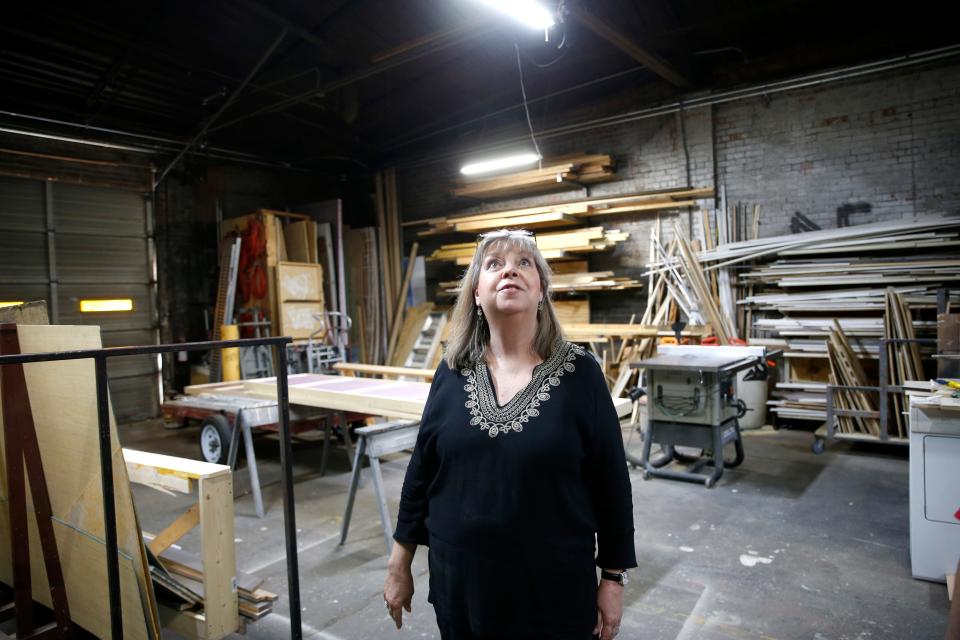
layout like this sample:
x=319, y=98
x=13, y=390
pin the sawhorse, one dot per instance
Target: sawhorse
x=376, y=441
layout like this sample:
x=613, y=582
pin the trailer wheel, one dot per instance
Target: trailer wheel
x=215, y=432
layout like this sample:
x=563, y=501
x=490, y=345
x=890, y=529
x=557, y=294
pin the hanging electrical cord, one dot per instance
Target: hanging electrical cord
x=526, y=109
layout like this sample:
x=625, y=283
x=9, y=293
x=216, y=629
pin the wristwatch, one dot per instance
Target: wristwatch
x=618, y=577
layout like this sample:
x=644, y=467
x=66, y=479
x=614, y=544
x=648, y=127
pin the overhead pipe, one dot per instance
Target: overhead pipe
x=226, y=104
x=684, y=104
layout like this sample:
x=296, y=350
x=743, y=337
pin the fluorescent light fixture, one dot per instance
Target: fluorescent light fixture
x=100, y=306
x=529, y=12
x=10, y=304
x=495, y=164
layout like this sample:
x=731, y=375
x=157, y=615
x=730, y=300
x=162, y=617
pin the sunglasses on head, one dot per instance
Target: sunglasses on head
x=507, y=233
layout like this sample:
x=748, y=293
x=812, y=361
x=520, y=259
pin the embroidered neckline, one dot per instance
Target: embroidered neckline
x=482, y=399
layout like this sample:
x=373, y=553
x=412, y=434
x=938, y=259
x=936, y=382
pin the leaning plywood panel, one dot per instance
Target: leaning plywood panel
x=63, y=403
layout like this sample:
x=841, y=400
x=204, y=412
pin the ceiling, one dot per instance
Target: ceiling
x=348, y=84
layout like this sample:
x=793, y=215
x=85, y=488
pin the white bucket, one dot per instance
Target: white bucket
x=754, y=395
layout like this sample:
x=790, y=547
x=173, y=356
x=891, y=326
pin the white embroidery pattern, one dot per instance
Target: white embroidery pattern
x=481, y=399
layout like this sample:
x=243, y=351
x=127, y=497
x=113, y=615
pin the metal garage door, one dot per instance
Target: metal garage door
x=64, y=243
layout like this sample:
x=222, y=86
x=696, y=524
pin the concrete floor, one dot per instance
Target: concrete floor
x=789, y=545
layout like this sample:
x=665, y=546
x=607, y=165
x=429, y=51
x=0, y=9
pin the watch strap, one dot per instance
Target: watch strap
x=618, y=577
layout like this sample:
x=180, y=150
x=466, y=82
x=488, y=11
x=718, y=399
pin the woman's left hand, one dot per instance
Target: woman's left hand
x=609, y=609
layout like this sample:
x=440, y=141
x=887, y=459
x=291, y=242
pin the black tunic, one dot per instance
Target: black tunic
x=509, y=499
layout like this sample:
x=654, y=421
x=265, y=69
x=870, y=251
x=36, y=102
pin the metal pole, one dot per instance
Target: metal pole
x=289, y=515
x=884, y=398
x=226, y=103
x=109, y=507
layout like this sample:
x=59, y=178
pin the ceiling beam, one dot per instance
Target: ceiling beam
x=233, y=96
x=653, y=62
x=390, y=60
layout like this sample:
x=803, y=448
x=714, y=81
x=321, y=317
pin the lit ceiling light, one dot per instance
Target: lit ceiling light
x=496, y=164
x=100, y=306
x=529, y=12
x=12, y=303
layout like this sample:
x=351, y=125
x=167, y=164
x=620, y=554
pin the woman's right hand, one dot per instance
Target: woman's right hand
x=398, y=589
x=398, y=592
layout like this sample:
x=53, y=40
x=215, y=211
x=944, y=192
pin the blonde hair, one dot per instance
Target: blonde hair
x=470, y=333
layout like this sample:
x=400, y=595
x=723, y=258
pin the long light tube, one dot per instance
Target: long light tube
x=495, y=164
x=529, y=12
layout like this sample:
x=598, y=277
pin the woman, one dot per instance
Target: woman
x=518, y=469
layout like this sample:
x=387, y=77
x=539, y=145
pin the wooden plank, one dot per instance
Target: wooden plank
x=62, y=397
x=399, y=399
x=151, y=468
x=401, y=302
x=218, y=556
x=300, y=319
x=26, y=313
x=175, y=530
x=298, y=281
x=383, y=370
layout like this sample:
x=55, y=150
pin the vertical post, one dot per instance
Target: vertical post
x=830, y=417
x=884, y=398
x=289, y=515
x=109, y=506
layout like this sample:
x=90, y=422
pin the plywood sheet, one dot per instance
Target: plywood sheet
x=299, y=281
x=63, y=401
x=299, y=319
x=392, y=398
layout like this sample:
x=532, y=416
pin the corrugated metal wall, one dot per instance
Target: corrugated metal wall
x=62, y=243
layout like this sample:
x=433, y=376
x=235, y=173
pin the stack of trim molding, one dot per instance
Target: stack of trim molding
x=829, y=296
x=557, y=174
x=564, y=214
x=553, y=246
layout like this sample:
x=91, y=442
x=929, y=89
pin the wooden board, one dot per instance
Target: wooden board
x=390, y=398
x=298, y=281
x=299, y=319
x=26, y=313
x=571, y=312
x=63, y=401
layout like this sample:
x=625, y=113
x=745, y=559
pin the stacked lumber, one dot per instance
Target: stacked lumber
x=846, y=370
x=570, y=283
x=553, y=246
x=390, y=239
x=830, y=295
x=853, y=271
x=904, y=362
x=557, y=174
x=182, y=573
x=365, y=294
x=564, y=214
x=925, y=232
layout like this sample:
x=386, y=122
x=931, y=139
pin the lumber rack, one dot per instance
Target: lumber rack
x=100, y=358
x=828, y=432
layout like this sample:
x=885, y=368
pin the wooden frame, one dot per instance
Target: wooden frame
x=214, y=513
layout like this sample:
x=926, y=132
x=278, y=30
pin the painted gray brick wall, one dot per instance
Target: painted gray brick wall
x=880, y=148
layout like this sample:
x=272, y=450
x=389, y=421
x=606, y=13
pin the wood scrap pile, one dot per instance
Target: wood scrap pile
x=553, y=246
x=181, y=574
x=556, y=174
x=564, y=214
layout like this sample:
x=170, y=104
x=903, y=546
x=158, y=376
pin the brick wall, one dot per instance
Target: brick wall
x=874, y=149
